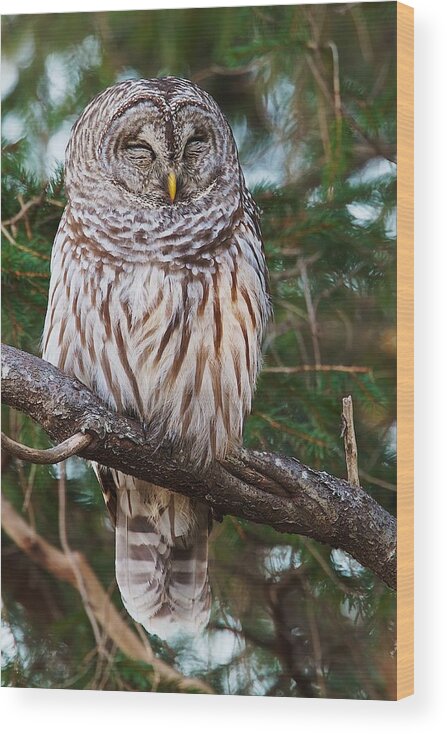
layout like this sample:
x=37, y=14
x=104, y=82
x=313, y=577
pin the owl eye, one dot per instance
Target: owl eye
x=194, y=144
x=199, y=138
x=140, y=149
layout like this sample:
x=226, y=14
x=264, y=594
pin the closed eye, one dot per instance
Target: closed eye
x=196, y=139
x=141, y=147
x=194, y=147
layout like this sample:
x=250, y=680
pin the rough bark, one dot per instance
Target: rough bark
x=259, y=486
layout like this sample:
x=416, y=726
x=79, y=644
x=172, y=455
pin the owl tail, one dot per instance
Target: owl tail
x=162, y=565
x=188, y=592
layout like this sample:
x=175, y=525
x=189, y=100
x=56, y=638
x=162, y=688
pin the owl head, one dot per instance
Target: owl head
x=152, y=143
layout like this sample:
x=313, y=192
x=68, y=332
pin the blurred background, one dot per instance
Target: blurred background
x=310, y=93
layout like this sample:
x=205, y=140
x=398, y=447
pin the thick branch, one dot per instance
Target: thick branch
x=259, y=486
x=62, y=566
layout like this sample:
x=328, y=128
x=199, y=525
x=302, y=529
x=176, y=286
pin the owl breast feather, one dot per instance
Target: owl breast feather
x=178, y=349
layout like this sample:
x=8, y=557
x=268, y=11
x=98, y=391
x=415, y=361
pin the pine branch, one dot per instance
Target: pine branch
x=72, y=566
x=259, y=486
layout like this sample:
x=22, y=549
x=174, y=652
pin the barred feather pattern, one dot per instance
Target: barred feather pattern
x=160, y=309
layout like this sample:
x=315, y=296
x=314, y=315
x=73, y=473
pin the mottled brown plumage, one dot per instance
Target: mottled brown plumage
x=158, y=302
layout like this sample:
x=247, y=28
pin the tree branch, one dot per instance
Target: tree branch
x=259, y=486
x=55, y=455
x=69, y=567
x=348, y=433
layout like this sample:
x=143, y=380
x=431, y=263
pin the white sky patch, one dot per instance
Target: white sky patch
x=268, y=164
x=88, y=53
x=391, y=438
x=363, y=214
x=13, y=127
x=55, y=152
x=268, y=168
x=9, y=77
x=345, y=564
x=372, y=170
x=209, y=650
x=350, y=609
x=9, y=647
x=25, y=52
x=391, y=224
x=127, y=73
x=58, y=77
x=279, y=101
x=240, y=130
x=22, y=58
x=262, y=165
x=12, y=643
x=279, y=559
x=75, y=468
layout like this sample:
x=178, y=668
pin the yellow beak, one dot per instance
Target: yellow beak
x=172, y=185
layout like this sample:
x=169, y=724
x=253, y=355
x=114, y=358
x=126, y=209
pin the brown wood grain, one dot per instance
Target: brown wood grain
x=405, y=352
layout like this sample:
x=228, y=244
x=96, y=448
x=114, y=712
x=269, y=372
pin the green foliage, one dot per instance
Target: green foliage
x=311, y=94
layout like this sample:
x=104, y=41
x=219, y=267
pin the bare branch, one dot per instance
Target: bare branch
x=348, y=434
x=61, y=565
x=70, y=556
x=23, y=248
x=24, y=209
x=311, y=313
x=259, y=486
x=54, y=455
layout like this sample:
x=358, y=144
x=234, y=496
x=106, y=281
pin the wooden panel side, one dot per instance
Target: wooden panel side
x=405, y=352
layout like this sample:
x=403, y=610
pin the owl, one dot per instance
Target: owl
x=158, y=302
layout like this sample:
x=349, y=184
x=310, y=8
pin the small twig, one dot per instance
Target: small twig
x=216, y=70
x=23, y=210
x=336, y=80
x=316, y=645
x=348, y=434
x=58, y=564
x=377, y=481
x=363, y=34
x=55, y=202
x=23, y=248
x=310, y=547
x=279, y=426
x=26, y=273
x=62, y=451
x=63, y=537
x=324, y=128
x=26, y=507
x=310, y=310
x=320, y=442
x=28, y=231
x=316, y=71
x=338, y=109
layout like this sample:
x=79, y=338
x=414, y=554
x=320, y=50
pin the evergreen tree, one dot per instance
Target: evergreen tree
x=310, y=92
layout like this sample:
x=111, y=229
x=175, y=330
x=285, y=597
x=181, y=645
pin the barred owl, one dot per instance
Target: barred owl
x=158, y=302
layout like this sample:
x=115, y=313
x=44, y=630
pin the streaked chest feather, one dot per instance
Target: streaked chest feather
x=180, y=350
